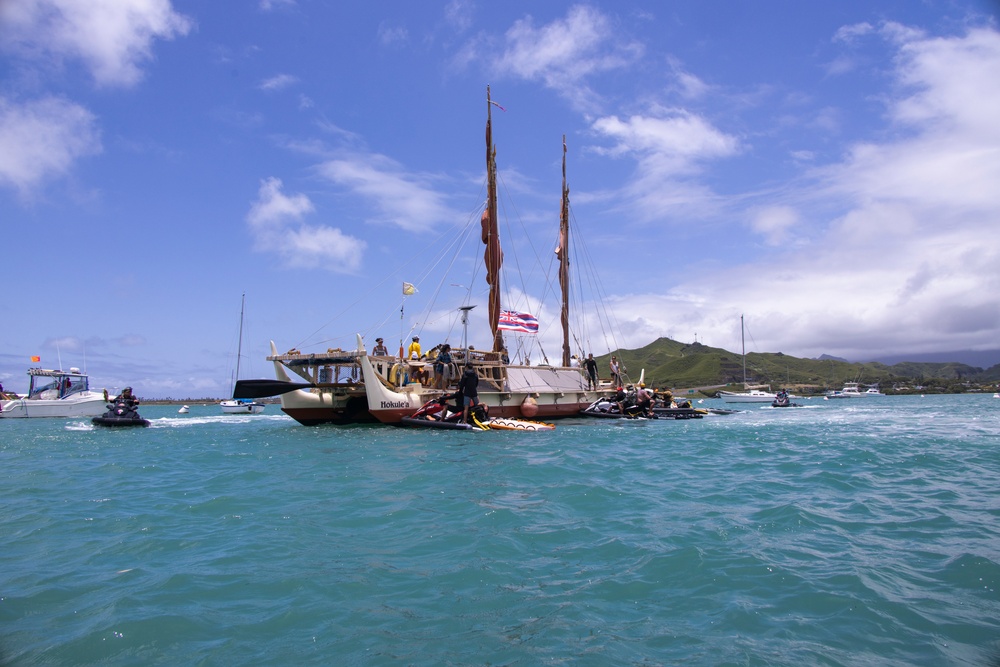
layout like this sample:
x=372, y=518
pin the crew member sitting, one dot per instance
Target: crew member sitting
x=644, y=400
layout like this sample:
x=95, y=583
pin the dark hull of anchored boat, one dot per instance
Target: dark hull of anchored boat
x=658, y=413
x=678, y=413
x=356, y=412
x=427, y=423
x=720, y=411
x=599, y=414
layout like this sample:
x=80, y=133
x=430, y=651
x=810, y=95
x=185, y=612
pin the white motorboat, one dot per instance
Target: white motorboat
x=851, y=390
x=241, y=406
x=57, y=394
x=184, y=410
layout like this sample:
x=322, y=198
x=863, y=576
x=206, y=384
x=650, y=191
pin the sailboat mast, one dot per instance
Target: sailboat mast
x=493, y=255
x=239, y=345
x=744, y=344
x=563, y=253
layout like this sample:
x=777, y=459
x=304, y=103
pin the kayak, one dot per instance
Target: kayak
x=510, y=424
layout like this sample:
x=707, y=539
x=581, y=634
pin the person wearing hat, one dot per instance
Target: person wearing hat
x=413, y=352
x=418, y=370
x=442, y=367
x=380, y=350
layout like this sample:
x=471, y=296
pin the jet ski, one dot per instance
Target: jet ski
x=437, y=413
x=120, y=413
x=782, y=400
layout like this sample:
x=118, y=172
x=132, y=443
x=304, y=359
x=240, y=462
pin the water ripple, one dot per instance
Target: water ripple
x=836, y=535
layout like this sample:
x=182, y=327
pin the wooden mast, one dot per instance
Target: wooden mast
x=493, y=254
x=562, y=252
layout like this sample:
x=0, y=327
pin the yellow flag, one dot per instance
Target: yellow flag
x=409, y=289
x=36, y=359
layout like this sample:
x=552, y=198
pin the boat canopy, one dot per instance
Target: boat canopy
x=50, y=384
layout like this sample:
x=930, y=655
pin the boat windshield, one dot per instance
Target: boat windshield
x=57, y=385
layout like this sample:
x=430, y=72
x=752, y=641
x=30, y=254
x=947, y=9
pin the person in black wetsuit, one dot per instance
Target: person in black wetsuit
x=469, y=386
x=591, y=365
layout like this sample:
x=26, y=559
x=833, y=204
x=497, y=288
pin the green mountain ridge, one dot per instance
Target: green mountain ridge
x=669, y=363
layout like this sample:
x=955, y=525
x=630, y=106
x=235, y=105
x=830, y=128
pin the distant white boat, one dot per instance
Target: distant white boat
x=56, y=394
x=834, y=394
x=996, y=395
x=184, y=410
x=755, y=395
x=241, y=406
x=749, y=396
x=851, y=390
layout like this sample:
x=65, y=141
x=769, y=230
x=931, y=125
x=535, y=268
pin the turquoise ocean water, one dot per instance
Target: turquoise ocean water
x=862, y=532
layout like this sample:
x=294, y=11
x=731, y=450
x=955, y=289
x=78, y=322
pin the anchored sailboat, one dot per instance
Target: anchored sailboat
x=749, y=394
x=241, y=406
x=509, y=390
x=352, y=386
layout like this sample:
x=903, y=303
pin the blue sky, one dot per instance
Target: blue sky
x=829, y=170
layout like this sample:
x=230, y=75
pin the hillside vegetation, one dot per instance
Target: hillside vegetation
x=668, y=363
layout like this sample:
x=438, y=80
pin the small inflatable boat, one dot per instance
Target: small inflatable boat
x=608, y=409
x=680, y=413
x=120, y=414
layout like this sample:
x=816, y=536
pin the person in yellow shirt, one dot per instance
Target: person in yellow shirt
x=413, y=352
x=418, y=369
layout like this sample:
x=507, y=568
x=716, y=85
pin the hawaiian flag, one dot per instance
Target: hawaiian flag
x=523, y=322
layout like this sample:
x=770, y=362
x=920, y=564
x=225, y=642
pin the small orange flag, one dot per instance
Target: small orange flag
x=36, y=358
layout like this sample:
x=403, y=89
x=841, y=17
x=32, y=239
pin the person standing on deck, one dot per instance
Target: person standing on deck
x=591, y=365
x=616, y=374
x=380, y=350
x=469, y=387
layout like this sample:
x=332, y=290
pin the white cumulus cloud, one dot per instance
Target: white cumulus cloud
x=403, y=199
x=113, y=38
x=276, y=220
x=563, y=53
x=42, y=138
